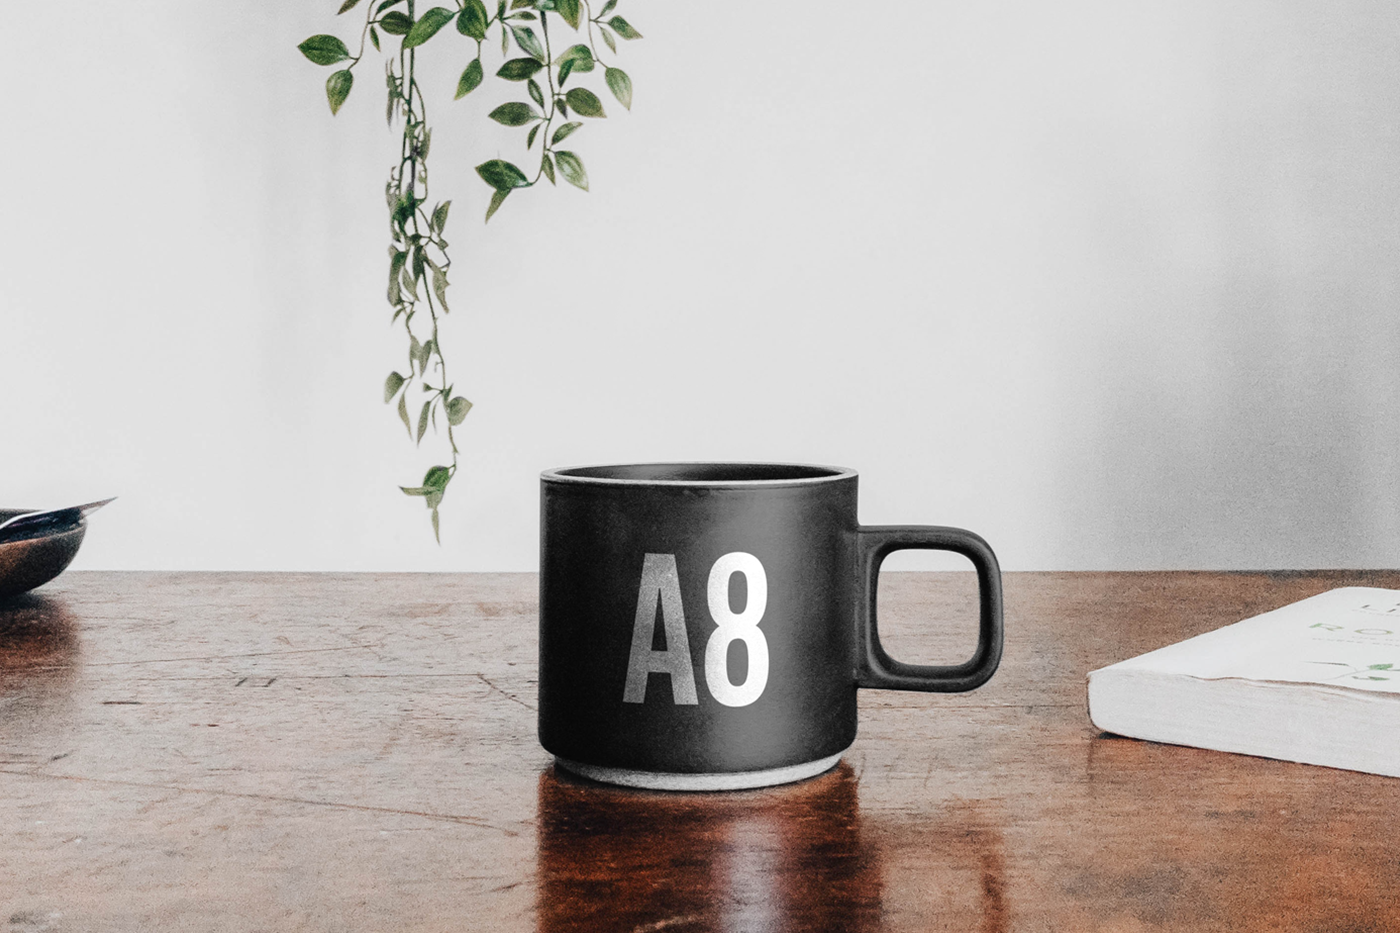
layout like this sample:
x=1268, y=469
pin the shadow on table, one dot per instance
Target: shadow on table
x=1174, y=838
x=39, y=646
x=38, y=637
x=797, y=857
x=787, y=857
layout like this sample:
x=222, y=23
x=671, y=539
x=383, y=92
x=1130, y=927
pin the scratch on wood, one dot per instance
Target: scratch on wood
x=276, y=798
x=220, y=657
x=508, y=696
x=667, y=923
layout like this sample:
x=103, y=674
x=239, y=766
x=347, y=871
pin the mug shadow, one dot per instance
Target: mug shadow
x=792, y=858
x=944, y=868
x=782, y=858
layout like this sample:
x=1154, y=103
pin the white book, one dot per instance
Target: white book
x=1317, y=681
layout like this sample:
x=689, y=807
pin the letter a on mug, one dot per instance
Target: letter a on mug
x=660, y=580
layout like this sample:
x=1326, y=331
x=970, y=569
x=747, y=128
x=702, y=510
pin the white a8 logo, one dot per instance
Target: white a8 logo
x=661, y=582
x=731, y=626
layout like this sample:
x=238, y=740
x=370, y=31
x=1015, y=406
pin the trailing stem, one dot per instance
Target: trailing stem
x=418, y=258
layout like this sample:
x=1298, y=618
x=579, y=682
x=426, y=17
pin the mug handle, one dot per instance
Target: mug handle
x=874, y=666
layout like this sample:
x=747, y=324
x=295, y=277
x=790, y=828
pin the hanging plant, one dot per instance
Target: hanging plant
x=418, y=259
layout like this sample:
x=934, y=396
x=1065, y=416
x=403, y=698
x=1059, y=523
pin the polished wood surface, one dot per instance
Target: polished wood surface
x=357, y=752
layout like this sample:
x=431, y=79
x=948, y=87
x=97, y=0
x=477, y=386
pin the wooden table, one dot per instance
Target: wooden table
x=357, y=752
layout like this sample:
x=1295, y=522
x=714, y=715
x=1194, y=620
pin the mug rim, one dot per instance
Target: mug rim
x=804, y=474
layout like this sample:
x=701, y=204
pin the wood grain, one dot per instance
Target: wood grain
x=333, y=752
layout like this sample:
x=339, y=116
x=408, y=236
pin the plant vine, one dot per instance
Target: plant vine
x=418, y=258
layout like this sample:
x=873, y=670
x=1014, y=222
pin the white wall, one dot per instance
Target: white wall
x=1116, y=285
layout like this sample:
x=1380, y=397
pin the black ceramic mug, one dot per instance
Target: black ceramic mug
x=704, y=626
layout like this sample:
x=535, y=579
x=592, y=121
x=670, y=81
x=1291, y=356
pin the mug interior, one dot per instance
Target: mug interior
x=700, y=473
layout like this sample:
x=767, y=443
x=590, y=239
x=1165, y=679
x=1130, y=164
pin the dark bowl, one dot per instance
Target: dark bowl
x=31, y=562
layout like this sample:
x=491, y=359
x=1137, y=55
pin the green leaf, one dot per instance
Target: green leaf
x=437, y=478
x=414, y=490
x=522, y=4
x=402, y=212
x=563, y=132
x=529, y=43
x=396, y=23
x=620, y=85
x=403, y=414
x=374, y=37
x=414, y=349
x=392, y=385
x=584, y=102
x=439, y=221
x=423, y=419
x=569, y=10
x=385, y=5
x=515, y=113
x=427, y=26
x=607, y=37
x=396, y=260
x=624, y=28
x=417, y=263
x=437, y=535
x=347, y=5
x=530, y=137
x=565, y=70
x=472, y=20
x=607, y=8
x=571, y=167
x=470, y=80
x=324, y=50
x=440, y=287
x=518, y=69
x=501, y=175
x=338, y=88
x=497, y=200
x=1380, y=667
x=580, y=55
x=547, y=165
x=535, y=93
x=457, y=410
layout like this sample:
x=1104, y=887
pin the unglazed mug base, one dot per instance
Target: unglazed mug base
x=668, y=780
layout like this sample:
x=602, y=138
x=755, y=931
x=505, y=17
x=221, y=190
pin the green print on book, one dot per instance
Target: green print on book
x=1360, y=673
x=418, y=259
